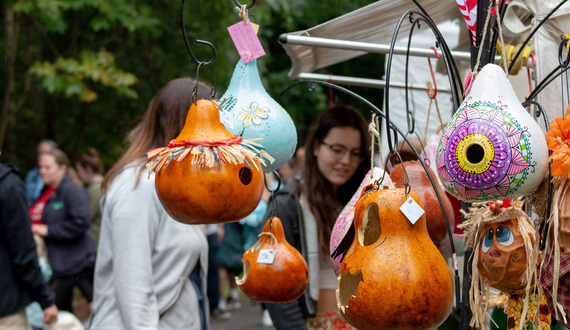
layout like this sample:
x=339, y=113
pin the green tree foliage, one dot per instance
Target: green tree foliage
x=73, y=77
x=82, y=72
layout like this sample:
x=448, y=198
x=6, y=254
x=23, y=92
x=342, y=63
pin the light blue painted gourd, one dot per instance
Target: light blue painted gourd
x=249, y=111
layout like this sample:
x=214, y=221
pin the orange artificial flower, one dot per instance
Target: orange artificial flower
x=559, y=128
x=560, y=160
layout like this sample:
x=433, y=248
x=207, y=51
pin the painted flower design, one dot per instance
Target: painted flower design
x=479, y=154
x=253, y=113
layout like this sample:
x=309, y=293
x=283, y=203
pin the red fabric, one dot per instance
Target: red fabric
x=37, y=210
x=227, y=142
x=468, y=9
x=547, y=279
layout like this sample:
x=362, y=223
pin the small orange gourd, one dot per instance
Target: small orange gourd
x=420, y=184
x=205, y=175
x=393, y=276
x=282, y=280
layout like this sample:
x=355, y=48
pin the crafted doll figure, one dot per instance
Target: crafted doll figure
x=502, y=238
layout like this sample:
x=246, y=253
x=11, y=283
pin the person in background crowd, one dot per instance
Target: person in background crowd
x=229, y=256
x=300, y=160
x=337, y=159
x=21, y=279
x=145, y=258
x=62, y=220
x=34, y=312
x=34, y=182
x=90, y=171
x=215, y=234
x=288, y=171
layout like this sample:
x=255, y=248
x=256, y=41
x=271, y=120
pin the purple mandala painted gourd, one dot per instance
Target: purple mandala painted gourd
x=491, y=149
x=491, y=140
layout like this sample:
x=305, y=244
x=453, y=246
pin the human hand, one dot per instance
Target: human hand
x=50, y=314
x=41, y=230
x=221, y=232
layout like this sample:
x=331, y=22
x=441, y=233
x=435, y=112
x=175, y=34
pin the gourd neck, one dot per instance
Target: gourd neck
x=203, y=123
x=246, y=74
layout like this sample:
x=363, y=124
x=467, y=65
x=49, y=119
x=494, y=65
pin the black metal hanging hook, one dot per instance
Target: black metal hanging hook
x=183, y=27
x=561, y=60
x=275, y=211
x=544, y=226
x=248, y=6
x=195, y=90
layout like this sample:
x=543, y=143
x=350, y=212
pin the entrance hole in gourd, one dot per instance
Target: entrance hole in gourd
x=245, y=175
x=475, y=153
x=371, y=228
x=241, y=281
x=347, y=287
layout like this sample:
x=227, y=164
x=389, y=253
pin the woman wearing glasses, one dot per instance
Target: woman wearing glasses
x=337, y=159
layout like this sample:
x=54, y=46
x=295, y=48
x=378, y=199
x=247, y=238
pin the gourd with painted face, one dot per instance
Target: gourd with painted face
x=274, y=271
x=502, y=236
x=502, y=256
x=208, y=175
x=393, y=276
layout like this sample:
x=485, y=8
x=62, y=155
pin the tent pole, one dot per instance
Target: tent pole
x=482, y=9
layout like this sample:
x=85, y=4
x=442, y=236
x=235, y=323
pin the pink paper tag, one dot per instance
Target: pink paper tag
x=246, y=41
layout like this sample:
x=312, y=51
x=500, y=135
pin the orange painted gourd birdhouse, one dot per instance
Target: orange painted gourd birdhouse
x=274, y=271
x=207, y=174
x=393, y=276
x=420, y=184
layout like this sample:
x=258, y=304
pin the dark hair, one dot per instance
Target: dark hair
x=323, y=201
x=162, y=122
x=91, y=159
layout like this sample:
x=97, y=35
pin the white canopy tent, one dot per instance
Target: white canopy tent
x=370, y=29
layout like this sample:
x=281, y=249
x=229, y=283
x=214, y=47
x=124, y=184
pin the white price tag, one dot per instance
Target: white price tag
x=225, y=118
x=266, y=256
x=412, y=210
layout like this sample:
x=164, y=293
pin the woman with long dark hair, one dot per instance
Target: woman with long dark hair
x=336, y=161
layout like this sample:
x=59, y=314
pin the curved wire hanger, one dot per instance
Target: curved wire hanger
x=183, y=27
x=248, y=6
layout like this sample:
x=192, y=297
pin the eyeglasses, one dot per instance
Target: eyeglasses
x=339, y=151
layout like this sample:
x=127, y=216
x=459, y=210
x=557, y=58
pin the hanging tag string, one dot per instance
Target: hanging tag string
x=373, y=130
x=242, y=13
x=476, y=68
x=501, y=36
x=270, y=234
x=432, y=100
